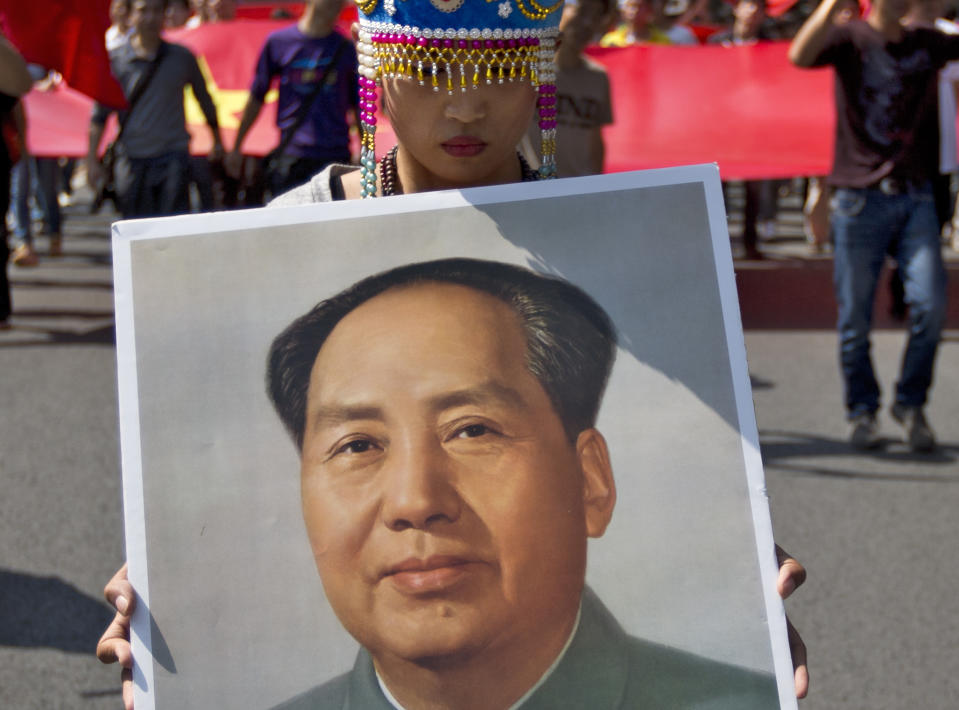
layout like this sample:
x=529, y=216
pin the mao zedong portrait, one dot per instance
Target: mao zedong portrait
x=451, y=475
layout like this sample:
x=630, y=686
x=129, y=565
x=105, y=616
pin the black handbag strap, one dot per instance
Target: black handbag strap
x=141, y=87
x=308, y=104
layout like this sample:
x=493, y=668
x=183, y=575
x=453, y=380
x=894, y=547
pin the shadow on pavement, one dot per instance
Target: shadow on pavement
x=759, y=383
x=47, y=612
x=80, y=315
x=41, y=337
x=60, y=283
x=778, y=447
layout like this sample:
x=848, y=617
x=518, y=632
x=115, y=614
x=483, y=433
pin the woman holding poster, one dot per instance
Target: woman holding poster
x=459, y=96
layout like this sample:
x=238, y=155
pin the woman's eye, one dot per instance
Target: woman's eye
x=434, y=69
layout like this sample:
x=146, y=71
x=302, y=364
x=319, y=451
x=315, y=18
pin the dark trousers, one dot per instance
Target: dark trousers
x=289, y=171
x=153, y=187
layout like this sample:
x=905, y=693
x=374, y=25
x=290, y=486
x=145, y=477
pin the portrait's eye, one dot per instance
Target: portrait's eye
x=356, y=446
x=473, y=431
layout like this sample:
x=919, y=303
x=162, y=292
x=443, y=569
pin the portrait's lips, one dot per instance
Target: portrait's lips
x=436, y=573
x=464, y=146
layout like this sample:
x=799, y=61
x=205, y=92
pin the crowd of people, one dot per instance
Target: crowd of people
x=227, y=178
x=148, y=169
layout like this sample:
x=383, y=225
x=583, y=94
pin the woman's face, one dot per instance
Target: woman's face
x=467, y=138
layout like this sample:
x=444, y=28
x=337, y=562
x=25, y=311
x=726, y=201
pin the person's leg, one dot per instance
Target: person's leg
x=943, y=199
x=171, y=181
x=129, y=178
x=202, y=175
x=861, y=230
x=24, y=253
x=751, y=188
x=768, y=208
x=47, y=180
x=20, y=201
x=919, y=255
x=253, y=182
x=277, y=173
x=67, y=167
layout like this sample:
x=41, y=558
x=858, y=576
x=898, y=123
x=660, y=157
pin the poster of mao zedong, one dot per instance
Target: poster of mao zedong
x=490, y=448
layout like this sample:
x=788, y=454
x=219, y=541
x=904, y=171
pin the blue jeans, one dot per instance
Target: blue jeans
x=867, y=225
x=36, y=176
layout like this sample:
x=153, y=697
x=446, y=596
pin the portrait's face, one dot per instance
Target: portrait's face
x=446, y=507
x=466, y=138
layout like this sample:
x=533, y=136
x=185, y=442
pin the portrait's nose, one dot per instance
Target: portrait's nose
x=466, y=106
x=417, y=490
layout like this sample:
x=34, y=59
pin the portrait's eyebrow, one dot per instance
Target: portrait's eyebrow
x=333, y=414
x=486, y=393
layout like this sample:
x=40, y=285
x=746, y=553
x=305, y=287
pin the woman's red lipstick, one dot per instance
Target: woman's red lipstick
x=464, y=146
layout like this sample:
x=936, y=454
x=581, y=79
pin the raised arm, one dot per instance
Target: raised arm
x=811, y=38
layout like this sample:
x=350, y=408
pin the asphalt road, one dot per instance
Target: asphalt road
x=878, y=532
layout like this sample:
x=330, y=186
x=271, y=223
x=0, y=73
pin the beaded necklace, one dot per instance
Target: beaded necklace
x=390, y=179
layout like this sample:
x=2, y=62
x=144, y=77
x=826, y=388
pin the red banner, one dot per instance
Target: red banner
x=266, y=10
x=745, y=108
x=227, y=53
x=66, y=35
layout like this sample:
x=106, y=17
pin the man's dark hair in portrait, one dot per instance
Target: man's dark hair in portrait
x=571, y=342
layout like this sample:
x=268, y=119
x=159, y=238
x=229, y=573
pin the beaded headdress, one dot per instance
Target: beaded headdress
x=456, y=45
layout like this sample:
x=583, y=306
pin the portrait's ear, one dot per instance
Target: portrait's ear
x=355, y=31
x=599, y=488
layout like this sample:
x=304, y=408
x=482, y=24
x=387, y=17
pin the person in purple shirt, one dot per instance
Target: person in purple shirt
x=300, y=56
